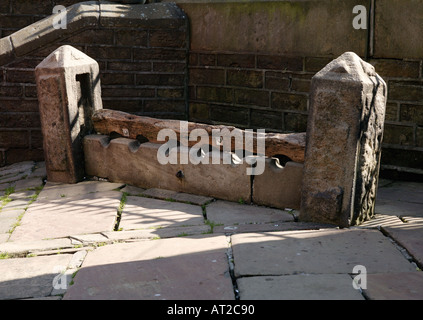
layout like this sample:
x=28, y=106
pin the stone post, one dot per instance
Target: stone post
x=343, y=143
x=68, y=87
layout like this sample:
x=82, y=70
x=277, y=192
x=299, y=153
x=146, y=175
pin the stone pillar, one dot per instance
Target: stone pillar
x=68, y=87
x=343, y=147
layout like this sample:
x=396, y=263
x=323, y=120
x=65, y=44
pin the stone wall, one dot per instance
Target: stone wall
x=250, y=65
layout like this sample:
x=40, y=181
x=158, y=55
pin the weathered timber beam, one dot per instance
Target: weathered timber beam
x=131, y=126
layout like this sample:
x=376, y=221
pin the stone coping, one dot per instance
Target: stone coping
x=89, y=15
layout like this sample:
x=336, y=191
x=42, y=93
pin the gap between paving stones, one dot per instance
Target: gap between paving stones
x=88, y=242
x=286, y=277
x=21, y=184
x=407, y=255
x=78, y=241
x=385, y=223
x=151, y=193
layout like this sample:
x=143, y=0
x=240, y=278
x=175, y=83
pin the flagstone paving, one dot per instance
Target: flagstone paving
x=90, y=213
x=395, y=286
x=400, y=199
x=32, y=277
x=142, y=213
x=124, y=242
x=170, y=269
x=323, y=251
x=299, y=287
x=408, y=234
x=229, y=213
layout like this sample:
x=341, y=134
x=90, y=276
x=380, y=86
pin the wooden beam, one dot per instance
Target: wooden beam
x=291, y=145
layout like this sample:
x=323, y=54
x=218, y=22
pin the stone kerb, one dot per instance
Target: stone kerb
x=68, y=87
x=344, y=135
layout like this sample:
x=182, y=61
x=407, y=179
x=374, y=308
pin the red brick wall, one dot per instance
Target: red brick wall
x=251, y=90
x=403, y=135
x=142, y=71
x=267, y=91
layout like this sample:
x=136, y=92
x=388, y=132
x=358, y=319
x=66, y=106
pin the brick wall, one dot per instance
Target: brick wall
x=142, y=71
x=403, y=135
x=271, y=91
x=258, y=82
x=251, y=90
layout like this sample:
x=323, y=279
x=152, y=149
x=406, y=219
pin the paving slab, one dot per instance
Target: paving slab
x=18, y=204
x=4, y=237
x=323, y=251
x=25, y=194
x=25, y=166
x=89, y=213
x=230, y=213
x=132, y=191
x=158, y=233
x=89, y=238
x=8, y=219
x=193, y=268
x=4, y=186
x=410, y=236
x=142, y=213
x=400, y=198
x=298, y=287
x=408, y=219
x=54, y=191
x=159, y=193
x=192, y=198
x=24, y=247
x=14, y=177
x=380, y=220
x=29, y=183
x=264, y=227
x=395, y=286
x=399, y=208
x=402, y=191
x=177, y=196
x=6, y=224
x=30, y=277
x=384, y=182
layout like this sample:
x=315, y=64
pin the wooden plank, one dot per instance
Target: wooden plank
x=131, y=126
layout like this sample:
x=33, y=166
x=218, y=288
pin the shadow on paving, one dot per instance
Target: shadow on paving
x=90, y=213
x=246, y=260
x=189, y=268
x=322, y=264
x=286, y=265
